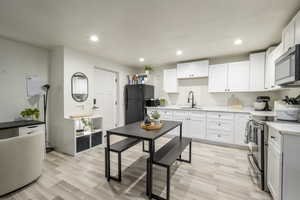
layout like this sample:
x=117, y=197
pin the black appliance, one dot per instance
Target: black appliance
x=257, y=139
x=287, y=68
x=152, y=102
x=265, y=100
x=135, y=98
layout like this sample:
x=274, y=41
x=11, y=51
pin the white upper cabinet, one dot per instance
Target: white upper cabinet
x=230, y=77
x=288, y=35
x=257, y=71
x=217, y=80
x=170, y=81
x=238, y=76
x=268, y=67
x=271, y=56
x=197, y=69
x=297, y=28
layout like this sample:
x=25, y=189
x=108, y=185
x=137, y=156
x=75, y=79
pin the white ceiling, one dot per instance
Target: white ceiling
x=153, y=29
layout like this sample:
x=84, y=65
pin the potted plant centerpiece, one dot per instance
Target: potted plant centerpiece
x=30, y=114
x=156, y=118
x=148, y=69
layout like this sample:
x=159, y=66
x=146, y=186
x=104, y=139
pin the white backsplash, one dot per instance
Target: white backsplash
x=200, y=89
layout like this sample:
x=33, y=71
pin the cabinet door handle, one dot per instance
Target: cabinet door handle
x=32, y=126
x=273, y=137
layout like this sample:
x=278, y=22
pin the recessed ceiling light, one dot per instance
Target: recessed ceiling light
x=94, y=38
x=142, y=59
x=178, y=52
x=238, y=42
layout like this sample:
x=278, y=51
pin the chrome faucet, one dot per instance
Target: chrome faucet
x=191, y=98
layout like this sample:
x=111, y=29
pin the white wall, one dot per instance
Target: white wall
x=200, y=88
x=18, y=60
x=75, y=61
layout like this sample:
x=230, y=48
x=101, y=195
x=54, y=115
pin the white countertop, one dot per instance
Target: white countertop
x=249, y=110
x=263, y=113
x=286, y=127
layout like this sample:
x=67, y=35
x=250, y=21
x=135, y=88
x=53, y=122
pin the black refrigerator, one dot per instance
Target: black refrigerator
x=135, y=96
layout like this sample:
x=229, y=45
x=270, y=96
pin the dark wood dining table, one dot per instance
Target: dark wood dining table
x=134, y=131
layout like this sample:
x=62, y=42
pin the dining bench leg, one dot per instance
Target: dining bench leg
x=168, y=183
x=190, y=155
x=105, y=161
x=147, y=177
x=108, y=156
x=119, y=167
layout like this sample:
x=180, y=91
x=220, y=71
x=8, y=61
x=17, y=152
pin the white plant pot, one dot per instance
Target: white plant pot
x=28, y=118
x=156, y=122
x=147, y=72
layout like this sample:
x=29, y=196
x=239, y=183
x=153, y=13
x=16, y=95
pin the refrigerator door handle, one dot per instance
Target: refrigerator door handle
x=126, y=100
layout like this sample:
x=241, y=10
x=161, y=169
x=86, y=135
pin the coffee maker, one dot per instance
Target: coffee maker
x=262, y=103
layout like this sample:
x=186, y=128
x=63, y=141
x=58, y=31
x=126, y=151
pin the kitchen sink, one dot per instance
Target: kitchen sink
x=189, y=107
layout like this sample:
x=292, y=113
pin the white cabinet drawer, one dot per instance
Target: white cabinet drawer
x=275, y=138
x=220, y=115
x=224, y=125
x=220, y=136
x=31, y=129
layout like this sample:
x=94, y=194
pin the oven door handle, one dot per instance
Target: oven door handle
x=252, y=163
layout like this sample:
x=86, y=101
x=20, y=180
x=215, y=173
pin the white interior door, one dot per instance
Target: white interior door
x=106, y=97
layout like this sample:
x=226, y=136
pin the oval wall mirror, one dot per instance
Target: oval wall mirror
x=80, y=87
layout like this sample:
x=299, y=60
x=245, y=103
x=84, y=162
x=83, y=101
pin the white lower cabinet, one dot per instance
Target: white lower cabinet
x=197, y=125
x=274, y=171
x=221, y=127
x=182, y=116
x=197, y=128
x=283, y=177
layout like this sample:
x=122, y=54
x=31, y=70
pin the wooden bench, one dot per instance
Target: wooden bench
x=167, y=155
x=118, y=148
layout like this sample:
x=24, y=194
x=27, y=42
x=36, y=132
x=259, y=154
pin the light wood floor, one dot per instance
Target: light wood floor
x=216, y=173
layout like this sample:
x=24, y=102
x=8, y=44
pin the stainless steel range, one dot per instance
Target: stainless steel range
x=257, y=138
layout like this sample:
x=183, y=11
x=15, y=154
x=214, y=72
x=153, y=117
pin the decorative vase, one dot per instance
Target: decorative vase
x=147, y=72
x=156, y=122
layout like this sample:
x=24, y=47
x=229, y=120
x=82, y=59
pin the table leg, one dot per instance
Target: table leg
x=108, y=155
x=180, y=134
x=180, y=137
x=151, y=152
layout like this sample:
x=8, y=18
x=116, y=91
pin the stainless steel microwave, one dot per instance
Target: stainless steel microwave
x=287, y=68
